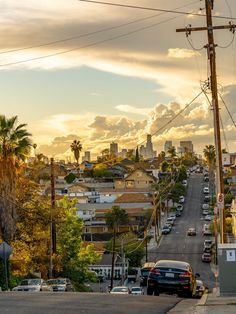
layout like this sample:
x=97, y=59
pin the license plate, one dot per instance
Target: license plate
x=170, y=275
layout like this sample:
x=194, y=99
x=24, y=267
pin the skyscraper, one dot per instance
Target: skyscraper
x=114, y=148
x=187, y=146
x=168, y=144
x=86, y=156
x=149, y=147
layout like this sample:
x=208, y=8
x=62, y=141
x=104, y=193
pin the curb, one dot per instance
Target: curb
x=203, y=300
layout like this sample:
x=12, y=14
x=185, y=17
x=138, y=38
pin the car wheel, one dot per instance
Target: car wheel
x=156, y=292
x=149, y=291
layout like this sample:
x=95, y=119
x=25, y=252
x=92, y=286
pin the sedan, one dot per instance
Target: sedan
x=192, y=231
x=165, y=230
x=205, y=206
x=206, y=212
x=209, y=218
x=61, y=284
x=181, y=199
x=137, y=291
x=33, y=285
x=120, y=290
x=179, y=207
x=206, y=257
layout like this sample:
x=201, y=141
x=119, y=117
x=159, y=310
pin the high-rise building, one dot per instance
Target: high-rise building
x=142, y=151
x=114, y=148
x=149, y=147
x=123, y=153
x=168, y=144
x=86, y=156
x=187, y=146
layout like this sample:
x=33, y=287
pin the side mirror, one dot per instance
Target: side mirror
x=197, y=275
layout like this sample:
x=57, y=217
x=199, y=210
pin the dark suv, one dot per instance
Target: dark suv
x=145, y=272
x=172, y=277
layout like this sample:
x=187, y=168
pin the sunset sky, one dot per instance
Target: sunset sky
x=102, y=73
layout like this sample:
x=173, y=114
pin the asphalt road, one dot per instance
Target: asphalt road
x=178, y=245
x=83, y=303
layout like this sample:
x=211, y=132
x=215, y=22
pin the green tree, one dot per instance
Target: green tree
x=70, y=177
x=76, y=148
x=15, y=146
x=172, y=151
x=210, y=155
x=74, y=255
x=164, y=166
x=114, y=218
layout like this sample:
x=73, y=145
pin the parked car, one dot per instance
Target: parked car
x=209, y=218
x=33, y=285
x=208, y=244
x=61, y=284
x=145, y=272
x=181, y=199
x=173, y=277
x=207, y=198
x=178, y=213
x=206, y=190
x=120, y=290
x=205, y=206
x=165, y=230
x=206, y=257
x=206, y=212
x=200, y=289
x=206, y=230
x=184, y=182
x=179, y=207
x=172, y=215
x=170, y=220
x=192, y=232
x=137, y=291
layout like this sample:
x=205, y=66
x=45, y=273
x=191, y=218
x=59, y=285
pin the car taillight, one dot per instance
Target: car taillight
x=184, y=275
x=155, y=271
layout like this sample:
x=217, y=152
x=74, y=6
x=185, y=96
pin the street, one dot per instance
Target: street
x=89, y=303
x=178, y=245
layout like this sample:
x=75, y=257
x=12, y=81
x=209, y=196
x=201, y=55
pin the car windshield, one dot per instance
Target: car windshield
x=30, y=282
x=56, y=282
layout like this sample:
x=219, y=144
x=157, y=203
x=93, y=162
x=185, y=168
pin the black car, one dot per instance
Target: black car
x=175, y=277
x=145, y=272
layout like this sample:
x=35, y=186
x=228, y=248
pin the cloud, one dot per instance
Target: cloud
x=132, y=109
x=179, y=53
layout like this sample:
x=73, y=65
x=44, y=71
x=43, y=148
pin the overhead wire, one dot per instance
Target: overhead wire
x=154, y=9
x=227, y=109
x=91, y=33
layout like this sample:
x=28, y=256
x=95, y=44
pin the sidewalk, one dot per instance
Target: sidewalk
x=209, y=304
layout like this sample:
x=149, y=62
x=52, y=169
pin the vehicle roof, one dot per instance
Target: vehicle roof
x=172, y=263
x=148, y=264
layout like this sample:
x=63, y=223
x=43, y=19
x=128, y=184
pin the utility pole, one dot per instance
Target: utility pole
x=113, y=255
x=52, y=220
x=215, y=104
x=155, y=195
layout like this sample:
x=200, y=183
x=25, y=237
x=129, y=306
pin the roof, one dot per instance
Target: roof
x=133, y=198
x=142, y=170
x=108, y=206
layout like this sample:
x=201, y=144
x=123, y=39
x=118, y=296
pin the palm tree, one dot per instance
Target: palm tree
x=210, y=155
x=172, y=151
x=15, y=146
x=76, y=148
x=114, y=218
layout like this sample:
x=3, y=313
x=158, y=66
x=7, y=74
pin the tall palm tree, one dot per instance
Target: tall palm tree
x=76, y=148
x=114, y=218
x=15, y=146
x=210, y=155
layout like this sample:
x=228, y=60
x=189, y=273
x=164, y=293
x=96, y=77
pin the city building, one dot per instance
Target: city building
x=150, y=153
x=114, y=148
x=187, y=146
x=87, y=156
x=167, y=146
x=123, y=153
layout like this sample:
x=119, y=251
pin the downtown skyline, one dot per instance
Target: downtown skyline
x=119, y=90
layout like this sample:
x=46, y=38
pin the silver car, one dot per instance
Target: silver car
x=33, y=285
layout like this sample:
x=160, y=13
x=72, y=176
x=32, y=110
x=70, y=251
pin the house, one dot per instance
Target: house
x=103, y=267
x=138, y=180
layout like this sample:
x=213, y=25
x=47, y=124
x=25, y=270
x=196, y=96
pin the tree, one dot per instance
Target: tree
x=210, y=155
x=15, y=146
x=76, y=148
x=161, y=156
x=164, y=166
x=172, y=151
x=114, y=218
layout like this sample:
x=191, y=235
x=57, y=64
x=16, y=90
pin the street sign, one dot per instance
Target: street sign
x=220, y=200
x=5, y=250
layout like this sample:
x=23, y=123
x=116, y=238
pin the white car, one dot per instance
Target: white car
x=205, y=212
x=179, y=207
x=120, y=290
x=184, y=182
x=137, y=291
x=206, y=190
x=181, y=199
x=205, y=206
x=33, y=285
x=170, y=220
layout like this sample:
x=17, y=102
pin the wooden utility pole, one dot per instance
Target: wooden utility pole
x=215, y=104
x=52, y=220
x=113, y=256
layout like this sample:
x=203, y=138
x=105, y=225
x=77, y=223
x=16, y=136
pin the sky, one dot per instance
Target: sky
x=99, y=73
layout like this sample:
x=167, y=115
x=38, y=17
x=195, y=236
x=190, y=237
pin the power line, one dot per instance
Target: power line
x=155, y=9
x=225, y=139
x=229, y=113
x=90, y=33
x=88, y=45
